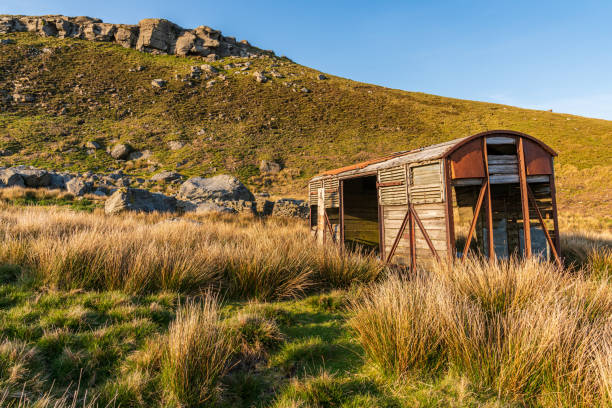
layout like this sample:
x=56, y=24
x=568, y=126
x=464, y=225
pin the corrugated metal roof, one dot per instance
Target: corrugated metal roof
x=432, y=152
x=421, y=154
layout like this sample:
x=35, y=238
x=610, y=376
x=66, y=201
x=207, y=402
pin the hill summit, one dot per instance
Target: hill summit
x=154, y=35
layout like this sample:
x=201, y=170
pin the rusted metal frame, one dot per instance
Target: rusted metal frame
x=331, y=230
x=553, y=196
x=413, y=258
x=390, y=184
x=399, y=236
x=485, y=157
x=539, y=214
x=341, y=211
x=450, y=222
x=425, y=234
x=481, y=195
x=524, y=198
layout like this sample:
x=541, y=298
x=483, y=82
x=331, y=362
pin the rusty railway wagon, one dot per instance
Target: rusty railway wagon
x=442, y=201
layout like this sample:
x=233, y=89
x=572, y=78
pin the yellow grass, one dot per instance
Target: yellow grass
x=244, y=257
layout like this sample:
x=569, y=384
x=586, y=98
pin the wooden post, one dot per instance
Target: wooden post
x=524, y=198
x=341, y=211
x=412, y=242
x=321, y=215
x=489, y=202
x=450, y=222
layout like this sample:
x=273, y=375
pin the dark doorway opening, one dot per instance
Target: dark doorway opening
x=360, y=212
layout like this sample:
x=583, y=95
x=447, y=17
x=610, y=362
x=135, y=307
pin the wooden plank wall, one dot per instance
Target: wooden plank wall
x=430, y=210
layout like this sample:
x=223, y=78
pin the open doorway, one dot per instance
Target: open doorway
x=360, y=212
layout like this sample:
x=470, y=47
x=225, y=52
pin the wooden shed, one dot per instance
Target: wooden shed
x=443, y=200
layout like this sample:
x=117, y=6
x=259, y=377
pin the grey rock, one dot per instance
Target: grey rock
x=166, y=176
x=140, y=155
x=209, y=68
x=121, y=151
x=10, y=178
x=206, y=207
x=58, y=180
x=221, y=187
x=263, y=207
x=269, y=167
x=287, y=207
x=321, y=77
x=35, y=177
x=260, y=77
x=78, y=187
x=158, y=83
x=92, y=144
x=135, y=199
x=175, y=145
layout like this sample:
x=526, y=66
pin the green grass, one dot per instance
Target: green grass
x=338, y=123
x=107, y=342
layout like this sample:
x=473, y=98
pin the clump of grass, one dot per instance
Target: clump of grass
x=197, y=354
x=524, y=330
x=394, y=324
x=245, y=257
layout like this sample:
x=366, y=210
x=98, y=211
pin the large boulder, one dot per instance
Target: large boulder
x=207, y=207
x=287, y=207
x=78, y=187
x=35, y=177
x=221, y=187
x=10, y=178
x=121, y=151
x=135, y=199
x=269, y=167
x=157, y=35
x=59, y=180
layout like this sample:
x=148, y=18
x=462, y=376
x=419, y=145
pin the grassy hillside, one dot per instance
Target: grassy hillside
x=85, y=91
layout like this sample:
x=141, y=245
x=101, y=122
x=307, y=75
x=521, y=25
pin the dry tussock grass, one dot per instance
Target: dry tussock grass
x=526, y=330
x=245, y=257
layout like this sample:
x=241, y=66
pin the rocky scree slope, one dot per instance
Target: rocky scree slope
x=66, y=103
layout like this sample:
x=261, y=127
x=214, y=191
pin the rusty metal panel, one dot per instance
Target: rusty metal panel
x=537, y=160
x=467, y=162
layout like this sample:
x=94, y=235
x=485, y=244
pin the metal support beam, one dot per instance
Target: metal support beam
x=524, y=197
x=483, y=189
x=548, y=238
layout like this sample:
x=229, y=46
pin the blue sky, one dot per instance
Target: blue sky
x=535, y=54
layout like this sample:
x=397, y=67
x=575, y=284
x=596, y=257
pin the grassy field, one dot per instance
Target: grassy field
x=149, y=310
x=232, y=125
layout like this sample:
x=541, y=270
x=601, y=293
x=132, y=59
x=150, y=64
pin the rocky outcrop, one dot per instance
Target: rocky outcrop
x=135, y=199
x=221, y=187
x=121, y=151
x=152, y=35
x=269, y=167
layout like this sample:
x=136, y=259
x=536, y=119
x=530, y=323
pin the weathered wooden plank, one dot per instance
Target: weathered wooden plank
x=500, y=140
x=503, y=169
x=502, y=159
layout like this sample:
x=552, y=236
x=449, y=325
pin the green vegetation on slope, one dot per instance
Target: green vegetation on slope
x=85, y=91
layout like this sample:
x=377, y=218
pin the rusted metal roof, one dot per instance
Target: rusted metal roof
x=432, y=152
